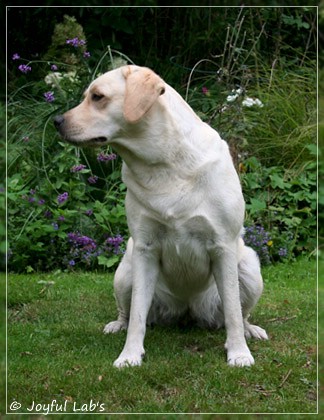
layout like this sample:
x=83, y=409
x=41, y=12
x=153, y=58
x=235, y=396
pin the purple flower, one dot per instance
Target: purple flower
x=72, y=263
x=89, y=212
x=61, y=218
x=32, y=192
x=77, y=168
x=16, y=56
x=55, y=226
x=76, y=42
x=41, y=201
x=283, y=252
x=82, y=241
x=86, y=54
x=54, y=67
x=48, y=214
x=24, y=68
x=114, y=243
x=49, y=97
x=62, y=198
x=92, y=179
x=259, y=239
x=102, y=157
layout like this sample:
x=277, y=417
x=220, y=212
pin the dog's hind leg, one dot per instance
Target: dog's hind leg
x=123, y=292
x=251, y=287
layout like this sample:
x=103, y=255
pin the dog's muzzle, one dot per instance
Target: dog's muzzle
x=59, y=121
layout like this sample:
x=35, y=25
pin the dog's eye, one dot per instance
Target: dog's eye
x=96, y=97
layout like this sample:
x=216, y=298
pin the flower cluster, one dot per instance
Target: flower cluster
x=82, y=240
x=251, y=102
x=76, y=42
x=247, y=101
x=93, y=179
x=83, y=248
x=259, y=239
x=32, y=198
x=103, y=157
x=234, y=95
x=24, y=68
x=113, y=244
x=283, y=252
x=62, y=198
x=49, y=97
x=205, y=91
x=78, y=168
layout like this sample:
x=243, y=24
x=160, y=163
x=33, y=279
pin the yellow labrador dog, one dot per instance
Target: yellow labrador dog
x=184, y=208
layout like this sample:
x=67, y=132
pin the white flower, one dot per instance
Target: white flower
x=71, y=75
x=231, y=98
x=250, y=102
x=53, y=79
x=258, y=103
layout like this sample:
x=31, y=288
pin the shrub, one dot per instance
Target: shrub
x=66, y=205
x=272, y=136
x=283, y=201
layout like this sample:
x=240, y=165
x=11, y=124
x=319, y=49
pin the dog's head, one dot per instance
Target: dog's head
x=111, y=102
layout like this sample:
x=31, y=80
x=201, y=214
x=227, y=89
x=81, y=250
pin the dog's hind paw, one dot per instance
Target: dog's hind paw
x=253, y=331
x=114, y=326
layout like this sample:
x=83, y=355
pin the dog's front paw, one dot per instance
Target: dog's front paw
x=129, y=360
x=240, y=360
x=240, y=357
x=114, y=327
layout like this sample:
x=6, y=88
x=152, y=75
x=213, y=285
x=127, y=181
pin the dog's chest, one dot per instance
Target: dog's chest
x=185, y=263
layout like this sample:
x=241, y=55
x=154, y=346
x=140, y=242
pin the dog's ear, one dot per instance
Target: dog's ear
x=143, y=87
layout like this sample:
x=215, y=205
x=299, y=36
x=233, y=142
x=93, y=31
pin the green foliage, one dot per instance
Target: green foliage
x=2, y=188
x=39, y=224
x=263, y=105
x=266, y=117
x=283, y=201
x=272, y=136
x=59, y=50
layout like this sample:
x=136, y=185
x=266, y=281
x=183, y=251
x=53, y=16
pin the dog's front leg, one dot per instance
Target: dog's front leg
x=225, y=271
x=145, y=274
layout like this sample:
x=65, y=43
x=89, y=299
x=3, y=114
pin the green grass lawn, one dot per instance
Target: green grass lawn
x=57, y=351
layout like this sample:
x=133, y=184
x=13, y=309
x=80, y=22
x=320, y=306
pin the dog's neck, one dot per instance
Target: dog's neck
x=156, y=143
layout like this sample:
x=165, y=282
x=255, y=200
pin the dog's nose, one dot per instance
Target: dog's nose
x=58, y=121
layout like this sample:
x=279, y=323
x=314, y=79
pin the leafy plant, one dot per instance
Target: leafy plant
x=66, y=206
x=283, y=202
x=272, y=137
